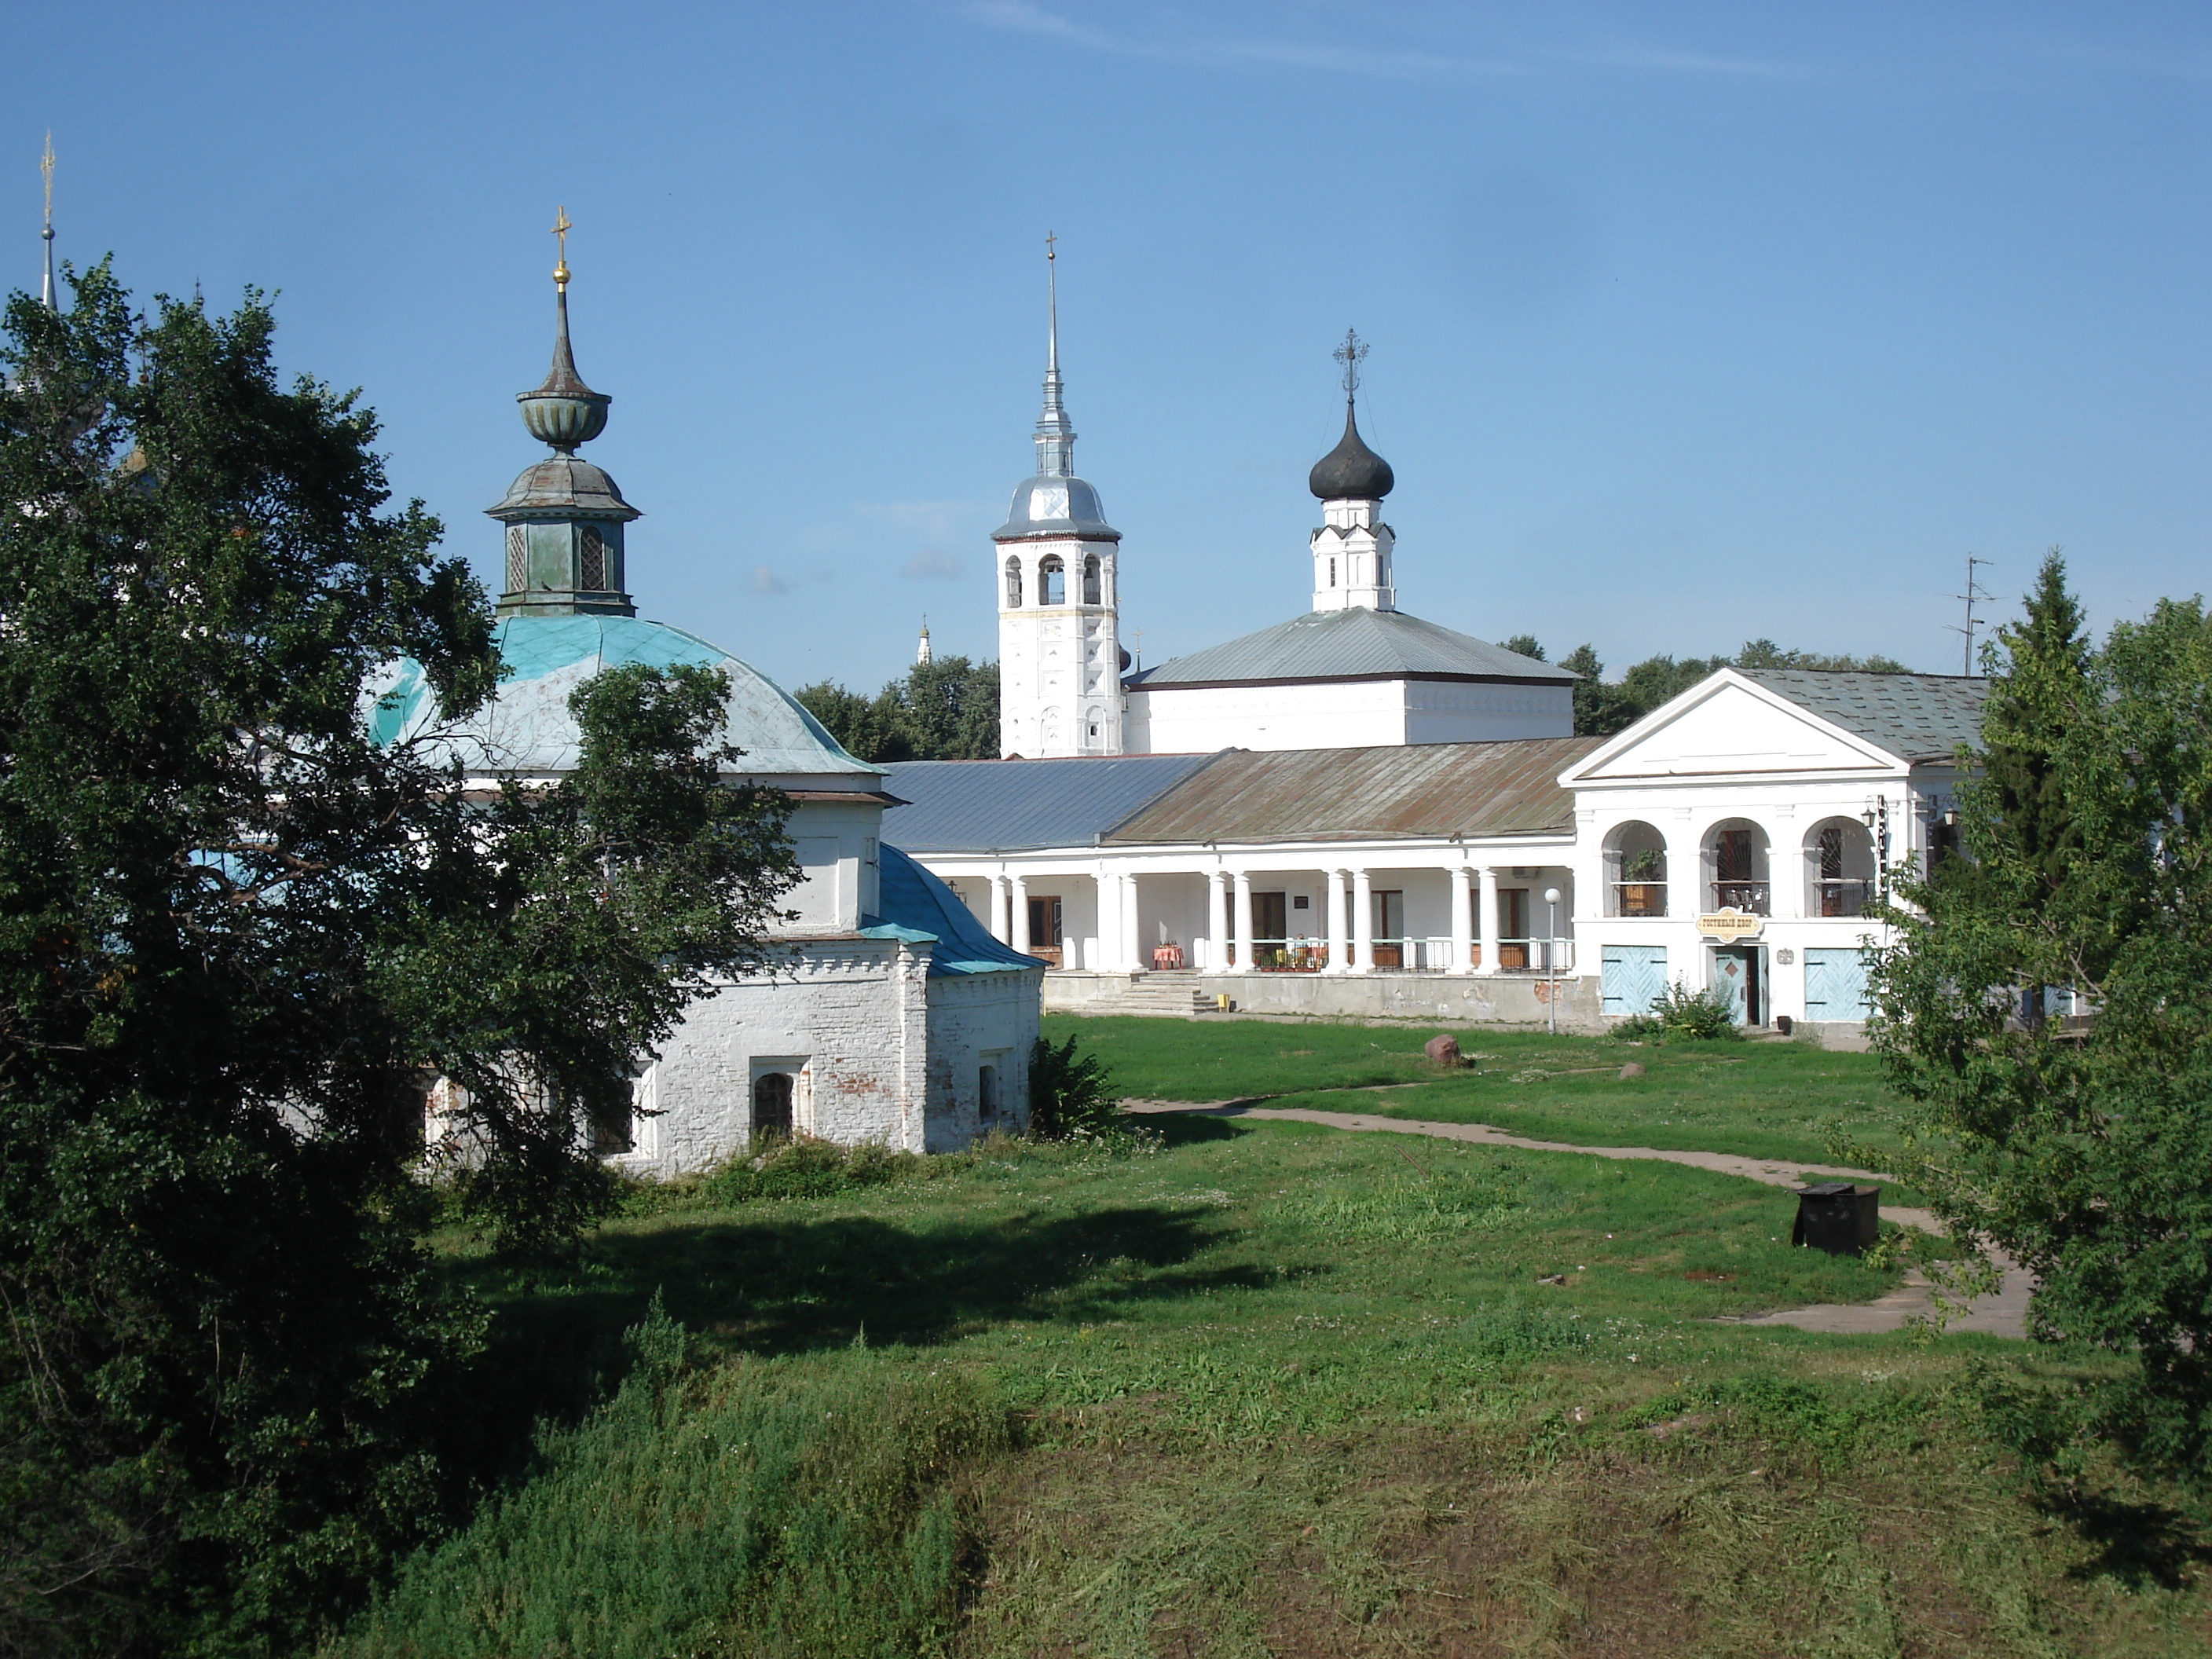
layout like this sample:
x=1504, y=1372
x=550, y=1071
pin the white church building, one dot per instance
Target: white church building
x=1358, y=811
x=892, y=1015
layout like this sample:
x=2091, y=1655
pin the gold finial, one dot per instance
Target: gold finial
x=46, y=171
x=561, y=228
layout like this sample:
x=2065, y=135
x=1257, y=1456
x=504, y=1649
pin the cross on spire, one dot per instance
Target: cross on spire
x=561, y=228
x=46, y=172
x=1350, y=354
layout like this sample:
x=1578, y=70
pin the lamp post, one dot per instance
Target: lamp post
x=1551, y=955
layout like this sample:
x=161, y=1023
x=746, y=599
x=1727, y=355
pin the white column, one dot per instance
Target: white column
x=1018, y=908
x=1217, y=919
x=1462, y=920
x=1109, y=920
x=1243, y=914
x=1363, y=922
x=999, y=890
x=1140, y=958
x=1339, y=946
x=1488, y=912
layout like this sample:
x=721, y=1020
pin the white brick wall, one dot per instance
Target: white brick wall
x=880, y=1053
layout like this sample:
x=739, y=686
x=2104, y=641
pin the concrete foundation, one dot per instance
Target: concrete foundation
x=1522, y=1001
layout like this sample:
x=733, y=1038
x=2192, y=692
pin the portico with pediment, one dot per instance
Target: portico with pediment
x=1738, y=838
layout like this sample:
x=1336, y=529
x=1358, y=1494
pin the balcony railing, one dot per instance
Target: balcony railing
x=1639, y=898
x=1411, y=955
x=1751, y=896
x=1840, y=898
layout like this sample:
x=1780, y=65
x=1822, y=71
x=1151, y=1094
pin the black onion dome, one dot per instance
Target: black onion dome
x=1351, y=471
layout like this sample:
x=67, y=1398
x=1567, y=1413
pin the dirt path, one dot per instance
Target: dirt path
x=2002, y=1314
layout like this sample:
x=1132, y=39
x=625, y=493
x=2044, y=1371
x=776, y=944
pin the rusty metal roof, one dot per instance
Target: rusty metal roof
x=1417, y=791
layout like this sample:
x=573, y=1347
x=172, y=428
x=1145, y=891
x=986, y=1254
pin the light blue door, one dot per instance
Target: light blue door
x=1632, y=977
x=1835, y=985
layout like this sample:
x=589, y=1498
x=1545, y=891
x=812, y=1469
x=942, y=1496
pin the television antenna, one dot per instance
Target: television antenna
x=1974, y=591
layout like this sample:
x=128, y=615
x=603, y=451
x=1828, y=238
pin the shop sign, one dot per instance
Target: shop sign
x=1730, y=924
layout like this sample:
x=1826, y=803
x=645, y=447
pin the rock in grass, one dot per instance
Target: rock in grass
x=1630, y=1070
x=1443, y=1050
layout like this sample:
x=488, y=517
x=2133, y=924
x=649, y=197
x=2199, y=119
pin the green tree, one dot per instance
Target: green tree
x=1526, y=645
x=237, y=936
x=947, y=709
x=2085, y=1157
x=1601, y=710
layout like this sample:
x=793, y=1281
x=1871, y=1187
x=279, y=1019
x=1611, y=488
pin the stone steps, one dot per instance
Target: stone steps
x=1156, y=995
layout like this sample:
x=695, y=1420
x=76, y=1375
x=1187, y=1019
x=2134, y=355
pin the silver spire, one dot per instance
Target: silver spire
x=46, y=171
x=1056, y=438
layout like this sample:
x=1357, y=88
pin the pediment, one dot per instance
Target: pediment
x=1729, y=724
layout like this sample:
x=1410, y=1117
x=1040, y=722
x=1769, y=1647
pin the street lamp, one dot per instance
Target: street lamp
x=1550, y=962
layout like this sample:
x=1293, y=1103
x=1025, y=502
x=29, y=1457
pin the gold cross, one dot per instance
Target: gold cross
x=1049, y=238
x=561, y=228
x=46, y=170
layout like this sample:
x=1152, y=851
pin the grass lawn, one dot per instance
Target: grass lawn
x=1259, y=1389
x=1762, y=1099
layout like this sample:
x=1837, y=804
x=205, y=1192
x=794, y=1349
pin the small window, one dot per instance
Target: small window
x=1013, y=583
x=1094, y=730
x=616, y=1136
x=1332, y=572
x=1090, y=581
x=1301, y=902
x=987, y=1093
x=1052, y=580
x=591, y=567
x=772, y=1093
x=518, y=558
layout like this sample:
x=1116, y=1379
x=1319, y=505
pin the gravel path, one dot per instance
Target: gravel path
x=2002, y=1314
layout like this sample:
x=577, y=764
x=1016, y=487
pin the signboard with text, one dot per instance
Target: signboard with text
x=1730, y=924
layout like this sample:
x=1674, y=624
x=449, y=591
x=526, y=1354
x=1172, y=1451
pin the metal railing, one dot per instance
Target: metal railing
x=1753, y=898
x=1639, y=898
x=1841, y=898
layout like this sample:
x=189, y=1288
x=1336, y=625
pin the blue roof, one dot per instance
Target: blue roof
x=918, y=907
x=527, y=727
x=1007, y=805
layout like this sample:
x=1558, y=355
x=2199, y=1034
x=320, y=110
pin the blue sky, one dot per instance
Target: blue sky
x=1690, y=324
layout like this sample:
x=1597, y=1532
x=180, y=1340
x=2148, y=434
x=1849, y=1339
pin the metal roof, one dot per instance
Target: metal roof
x=1917, y=717
x=1352, y=644
x=528, y=727
x=1416, y=790
x=920, y=908
x=1007, y=805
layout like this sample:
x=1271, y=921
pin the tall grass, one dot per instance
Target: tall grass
x=768, y=1507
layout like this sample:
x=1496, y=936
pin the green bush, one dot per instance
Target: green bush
x=808, y=1168
x=1070, y=1094
x=1678, y=1012
x=762, y=1508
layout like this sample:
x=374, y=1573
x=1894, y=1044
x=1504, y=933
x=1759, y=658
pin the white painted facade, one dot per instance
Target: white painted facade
x=1352, y=554
x=1821, y=816
x=1060, y=647
x=1175, y=720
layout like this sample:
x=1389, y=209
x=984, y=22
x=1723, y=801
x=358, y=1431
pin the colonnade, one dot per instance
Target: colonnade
x=1349, y=918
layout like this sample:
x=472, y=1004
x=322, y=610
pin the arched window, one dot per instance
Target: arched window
x=1735, y=857
x=1636, y=871
x=1090, y=583
x=1013, y=583
x=1839, y=868
x=772, y=1106
x=1052, y=580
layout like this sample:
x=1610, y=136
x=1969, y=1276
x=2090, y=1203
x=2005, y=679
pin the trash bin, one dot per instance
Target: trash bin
x=1839, y=1218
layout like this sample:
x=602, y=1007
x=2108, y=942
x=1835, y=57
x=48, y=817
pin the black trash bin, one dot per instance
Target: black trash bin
x=1839, y=1218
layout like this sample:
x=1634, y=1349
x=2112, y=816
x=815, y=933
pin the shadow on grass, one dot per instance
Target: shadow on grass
x=792, y=1282
x=2138, y=1544
x=1181, y=1129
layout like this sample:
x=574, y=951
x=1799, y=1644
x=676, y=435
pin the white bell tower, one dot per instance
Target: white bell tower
x=1060, y=644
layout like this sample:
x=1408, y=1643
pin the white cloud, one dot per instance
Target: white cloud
x=765, y=580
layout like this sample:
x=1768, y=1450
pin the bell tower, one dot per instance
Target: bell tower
x=1060, y=644
x=564, y=517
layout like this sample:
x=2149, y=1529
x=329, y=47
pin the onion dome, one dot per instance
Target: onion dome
x=1351, y=471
